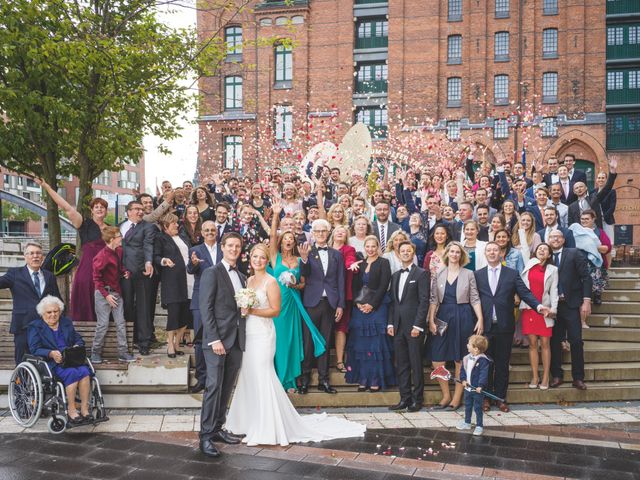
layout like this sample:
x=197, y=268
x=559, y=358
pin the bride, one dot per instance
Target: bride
x=260, y=408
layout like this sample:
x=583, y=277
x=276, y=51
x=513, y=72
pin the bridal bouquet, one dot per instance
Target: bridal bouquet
x=287, y=279
x=246, y=298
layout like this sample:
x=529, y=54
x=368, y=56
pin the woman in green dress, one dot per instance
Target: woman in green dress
x=285, y=267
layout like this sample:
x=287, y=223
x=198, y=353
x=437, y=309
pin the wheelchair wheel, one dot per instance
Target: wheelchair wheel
x=96, y=402
x=57, y=425
x=25, y=394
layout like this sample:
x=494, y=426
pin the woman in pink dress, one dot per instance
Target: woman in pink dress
x=541, y=277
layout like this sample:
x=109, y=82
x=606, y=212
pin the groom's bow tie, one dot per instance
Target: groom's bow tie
x=233, y=268
x=324, y=249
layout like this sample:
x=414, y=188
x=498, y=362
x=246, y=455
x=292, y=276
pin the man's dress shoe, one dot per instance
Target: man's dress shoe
x=503, y=407
x=197, y=388
x=326, y=388
x=414, y=407
x=556, y=382
x=303, y=389
x=399, y=406
x=486, y=405
x=579, y=384
x=226, y=437
x=209, y=449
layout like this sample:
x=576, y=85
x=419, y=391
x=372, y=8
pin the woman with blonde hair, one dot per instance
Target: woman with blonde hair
x=337, y=216
x=391, y=252
x=473, y=246
x=360, y=229
x=454, y=299
x=524, y=236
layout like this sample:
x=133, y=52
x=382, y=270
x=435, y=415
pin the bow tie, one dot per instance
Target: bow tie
x=233, y=268
x=323, y=249
x=404, y=270
x=472, y=358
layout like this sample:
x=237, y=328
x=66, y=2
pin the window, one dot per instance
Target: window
x=20, y=181
x=104, y=178
x=454, y=92
x=453, y=130
x=233, y=39
x=501, y=90
x=375, y=118
x=284, y=64
x=634, y=35
x=549, y=127
x=623, y=131
x=372, y=78
x=373, y=33
x=550, y=7
x=7, y=179
x=502, y=8
x=455, y=10
x=550, y=43
x=233, y=152
x=615, y=80
x=501, y=46
x=454, y=49
x=284, y=126
x=634, y=79
x=232, y=93
x=550, y=87
x=501, y=128
x=615, y=35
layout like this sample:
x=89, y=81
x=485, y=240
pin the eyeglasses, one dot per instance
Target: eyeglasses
x=320, y=231
x=209, y=230
x=33, y=254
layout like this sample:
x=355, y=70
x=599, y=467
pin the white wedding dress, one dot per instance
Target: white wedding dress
x=260, y=408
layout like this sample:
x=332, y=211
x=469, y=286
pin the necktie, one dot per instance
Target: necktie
x=323, y=249
x=220, y=229
x=383, y=237
x=130, y=231
x=566, y=189
x=494, y=280
x=556, y=259
x=36, y=282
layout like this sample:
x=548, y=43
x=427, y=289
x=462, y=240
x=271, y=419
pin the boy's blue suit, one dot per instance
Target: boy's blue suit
x=479, y=378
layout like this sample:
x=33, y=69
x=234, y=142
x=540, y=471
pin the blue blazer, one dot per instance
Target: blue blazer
x=317, y=282
x=25, y=297
x=42, y=341
x=202, y=252
x=569, y=241
x=509, y=284
x=479, y=374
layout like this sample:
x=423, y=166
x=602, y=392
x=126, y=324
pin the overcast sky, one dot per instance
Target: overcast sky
x=180, y=165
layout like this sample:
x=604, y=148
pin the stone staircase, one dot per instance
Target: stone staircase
x=612, y=356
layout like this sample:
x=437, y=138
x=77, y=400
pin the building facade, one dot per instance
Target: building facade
x=428, y=77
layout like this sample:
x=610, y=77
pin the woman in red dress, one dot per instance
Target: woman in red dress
x=338, y=240
x=541, y=277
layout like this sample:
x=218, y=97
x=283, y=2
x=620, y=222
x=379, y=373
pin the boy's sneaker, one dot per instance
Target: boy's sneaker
x=96, y=359
x=463, y=426
x=478, y=431
x=126, y=357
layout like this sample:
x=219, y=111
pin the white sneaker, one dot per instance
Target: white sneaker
x=478, y=431
x=463, y=426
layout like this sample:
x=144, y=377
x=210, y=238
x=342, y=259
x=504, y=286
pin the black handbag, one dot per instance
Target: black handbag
x=74, y=356
x=363, y=296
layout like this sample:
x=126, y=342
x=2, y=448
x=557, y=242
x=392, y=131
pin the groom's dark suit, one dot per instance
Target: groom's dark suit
x=221, y=321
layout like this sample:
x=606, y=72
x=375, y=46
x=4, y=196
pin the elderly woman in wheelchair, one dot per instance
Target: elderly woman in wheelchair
x=55, y=374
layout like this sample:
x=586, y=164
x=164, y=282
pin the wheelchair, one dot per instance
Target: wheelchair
x=35, y=392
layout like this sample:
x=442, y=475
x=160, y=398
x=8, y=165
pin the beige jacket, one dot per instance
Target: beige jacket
x=550, y=291
x=466, y=289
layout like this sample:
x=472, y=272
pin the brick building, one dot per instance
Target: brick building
x=506, y=75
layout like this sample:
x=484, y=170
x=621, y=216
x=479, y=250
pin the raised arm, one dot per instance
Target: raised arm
x=74, y=216
x=273, y=234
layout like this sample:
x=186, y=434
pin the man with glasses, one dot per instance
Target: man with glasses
x=28, y=285
x=202, y=257
x=323, y=269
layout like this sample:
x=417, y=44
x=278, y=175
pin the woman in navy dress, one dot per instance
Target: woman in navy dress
x=82, y=303
x=369, y=349
x=48, y=337
x=454, y=299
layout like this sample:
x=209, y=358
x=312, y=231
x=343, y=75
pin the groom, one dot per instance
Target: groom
x=223, y=339
x=323, y=269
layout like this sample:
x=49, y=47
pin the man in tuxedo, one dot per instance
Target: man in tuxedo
x=574, y=292
x=551, y=223
x=585, y=200
x=575, y=175
x=497, y=286
x=201, y=257
x=28, y=285
x=323, y=297
x=137, y=257
x=407, y=323
x=222, y=216
x=551, y=176
x=383, y=228
x=223, y=340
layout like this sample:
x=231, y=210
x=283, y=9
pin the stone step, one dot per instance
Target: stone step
x=621, y=296
x=614, y=334
x=349, y=397
x=624, y=272
x=620, y=321
x=617, y=307
x=624, y=284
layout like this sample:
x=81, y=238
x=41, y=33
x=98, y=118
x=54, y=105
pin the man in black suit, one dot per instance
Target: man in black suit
x=551, y=176
x=551, y=223
x=28, y=285
x=137, y=257
x=498, y=286
x=201, y=257
x=383, y=228
x=223, y=338
x=465, y=212
x=574, y=292
x=586, y=200
x=575, y=175
x=407, y=323
x=222, y=216
x=323, y=297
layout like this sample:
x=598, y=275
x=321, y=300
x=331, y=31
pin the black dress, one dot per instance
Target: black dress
x=82, y=307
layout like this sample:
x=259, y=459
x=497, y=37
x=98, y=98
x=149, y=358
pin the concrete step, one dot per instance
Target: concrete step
x=614, y=334
x=621, y=321
x=621, y=296
x=624, y=272
x=617, y=307
x=349, y=397
x=624, y=284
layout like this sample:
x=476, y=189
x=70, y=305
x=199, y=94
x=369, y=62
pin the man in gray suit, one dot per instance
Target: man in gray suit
x=223, y=340
x=137, y=257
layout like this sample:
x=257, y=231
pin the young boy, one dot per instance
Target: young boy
x=475, y=374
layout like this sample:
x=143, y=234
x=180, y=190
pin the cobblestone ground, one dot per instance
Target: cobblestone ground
x=590, y=441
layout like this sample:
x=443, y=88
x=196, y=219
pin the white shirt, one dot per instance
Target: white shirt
x=40, y=277
x=324, y=260
x=403, y=280
x=125, y=227
x=213, y=251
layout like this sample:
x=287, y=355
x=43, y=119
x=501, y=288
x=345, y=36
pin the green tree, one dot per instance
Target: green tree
x=81, y=83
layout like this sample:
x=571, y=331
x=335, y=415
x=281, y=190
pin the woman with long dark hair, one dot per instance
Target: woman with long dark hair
x=203, y=201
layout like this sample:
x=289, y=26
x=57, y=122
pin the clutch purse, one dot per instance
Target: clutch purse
x=441, y=326
x=363, y=296
x=74, y=356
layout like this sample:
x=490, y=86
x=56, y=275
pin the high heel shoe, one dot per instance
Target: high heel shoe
x=171, y=355
x=453, y=407
x=179, y=352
